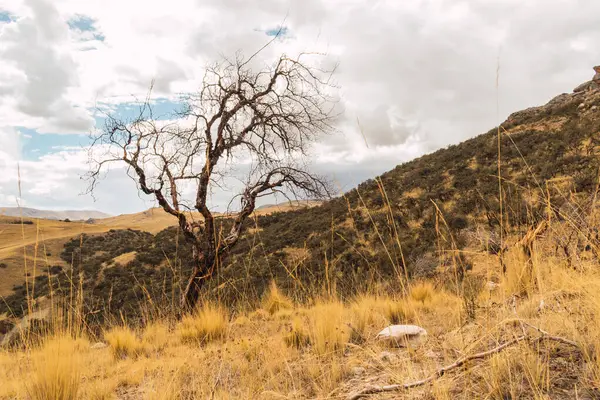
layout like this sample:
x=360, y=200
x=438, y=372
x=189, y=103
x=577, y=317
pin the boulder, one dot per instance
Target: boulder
x=402, y=335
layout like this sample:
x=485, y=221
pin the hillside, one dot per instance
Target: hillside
x=48, y=214
x=500, y=270
x=416, y=220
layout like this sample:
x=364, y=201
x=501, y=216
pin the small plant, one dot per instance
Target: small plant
x=55, y=371
x=124, y=342
x=209, y=323
x=274, y=300
x=3, y=266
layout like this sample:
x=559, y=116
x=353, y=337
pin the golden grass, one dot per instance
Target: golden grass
x=328, y=331
x=207, y=324
x=274, y=300
x=56, y=370
x=297, y=336
x=422, y=292
x=315, y=351
x=399, y=311
x=124, y=342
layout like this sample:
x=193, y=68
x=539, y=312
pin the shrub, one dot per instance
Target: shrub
x=3, y=266
x=55, y=270
x=206, y=325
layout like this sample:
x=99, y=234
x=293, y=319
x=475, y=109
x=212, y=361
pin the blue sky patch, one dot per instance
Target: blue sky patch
x=83, y=24
x=162, y=109
x=6, y=17
x=35, y=145
x=281, y=30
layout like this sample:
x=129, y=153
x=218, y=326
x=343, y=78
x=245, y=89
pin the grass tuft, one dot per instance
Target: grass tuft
x=124, y=342
x=399, y=311
x=275, y=301
x=56, y=373
x=328, y=330
x=297, y=337
x=208, y=324
x=422, y=292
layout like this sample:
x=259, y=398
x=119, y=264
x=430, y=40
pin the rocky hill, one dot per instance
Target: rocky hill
x=411, y=221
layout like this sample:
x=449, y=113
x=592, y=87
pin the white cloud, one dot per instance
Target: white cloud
x=35, y=45
x=418, y=75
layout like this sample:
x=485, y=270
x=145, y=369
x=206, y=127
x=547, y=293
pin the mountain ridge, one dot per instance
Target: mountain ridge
x=74, y=215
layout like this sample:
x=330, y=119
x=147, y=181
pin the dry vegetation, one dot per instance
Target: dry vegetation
x=328, y=349
x=523, y=321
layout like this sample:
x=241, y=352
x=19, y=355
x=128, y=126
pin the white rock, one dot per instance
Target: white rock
x=98, y=346
x=358, y=371
x=492, y=285
x=403, y=335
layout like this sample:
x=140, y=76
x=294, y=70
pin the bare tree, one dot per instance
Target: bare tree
x=268, y=118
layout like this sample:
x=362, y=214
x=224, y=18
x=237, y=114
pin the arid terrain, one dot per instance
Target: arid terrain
x=494, y=254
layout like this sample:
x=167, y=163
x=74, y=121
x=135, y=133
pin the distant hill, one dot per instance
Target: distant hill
x=73, y=215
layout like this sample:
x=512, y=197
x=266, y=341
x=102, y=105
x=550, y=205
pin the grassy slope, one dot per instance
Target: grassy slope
x=252, y=354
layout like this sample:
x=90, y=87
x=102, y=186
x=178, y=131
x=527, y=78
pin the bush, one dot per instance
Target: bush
x=55, y=269
x=3, y=265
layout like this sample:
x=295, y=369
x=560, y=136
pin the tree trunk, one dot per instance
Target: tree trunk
x=201, y=273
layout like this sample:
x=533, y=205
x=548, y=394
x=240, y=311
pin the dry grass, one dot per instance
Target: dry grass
x=124, y=342
x=327, y=328
x=274, y=300
x=209, y=323
x=297, y=336
x=55, y=370
x=328, y=349
x=399, y=311
x=422, y=292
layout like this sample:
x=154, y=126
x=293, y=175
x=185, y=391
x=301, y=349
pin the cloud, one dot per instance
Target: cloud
x=413, y=76
x=32, y=45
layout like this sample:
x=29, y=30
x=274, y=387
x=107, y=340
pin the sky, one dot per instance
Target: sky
x=414, y=76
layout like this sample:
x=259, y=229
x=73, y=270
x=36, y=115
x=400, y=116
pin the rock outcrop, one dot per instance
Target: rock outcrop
x=585, y=98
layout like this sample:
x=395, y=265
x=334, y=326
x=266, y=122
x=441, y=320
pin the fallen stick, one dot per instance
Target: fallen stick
x=440, y=372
